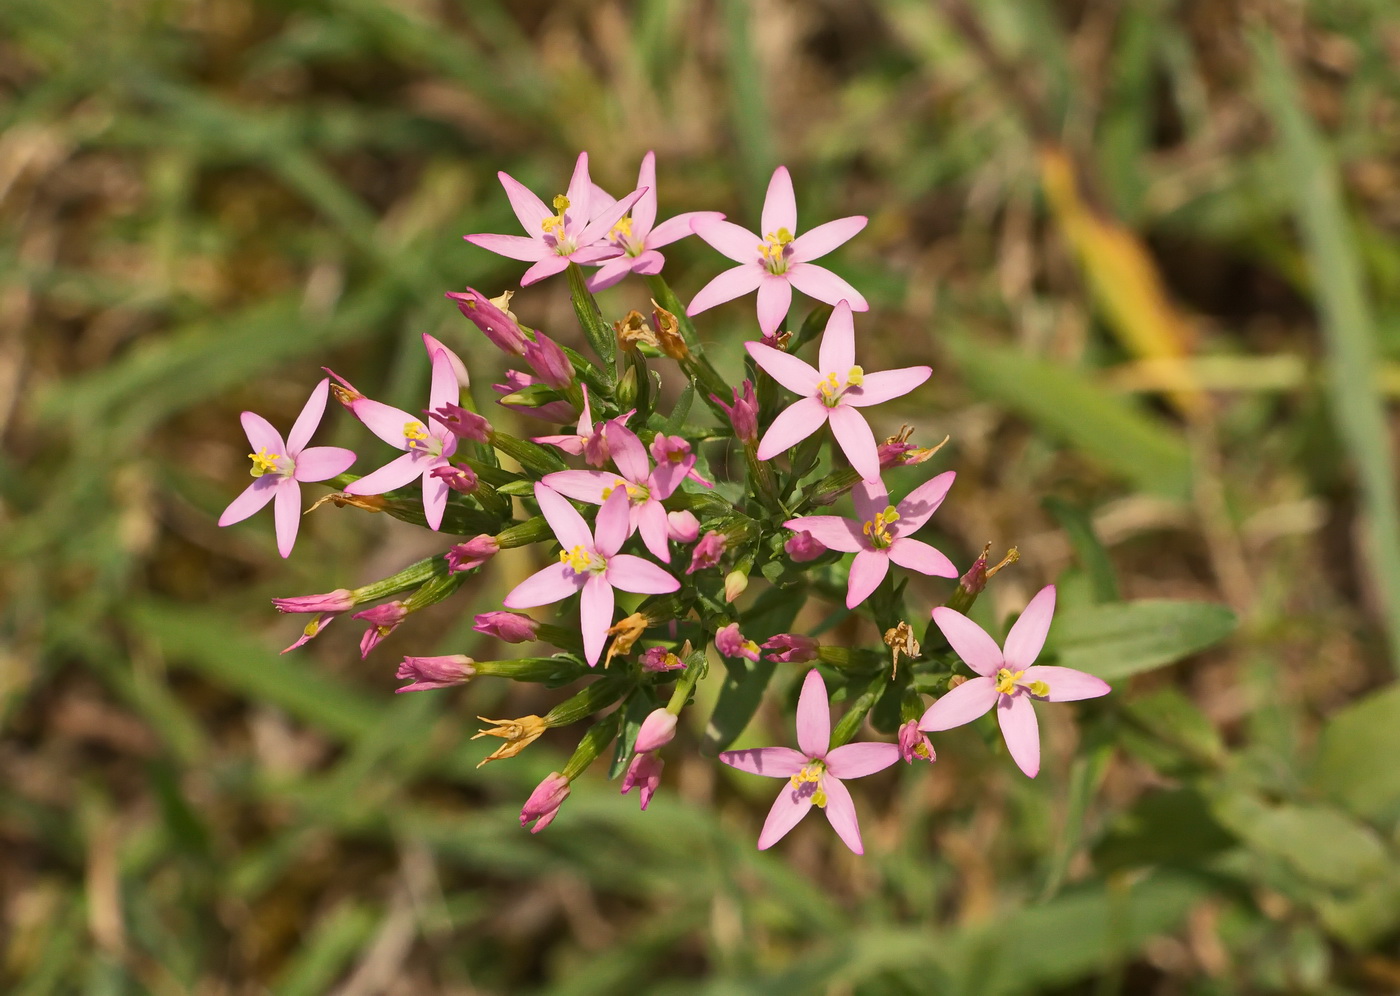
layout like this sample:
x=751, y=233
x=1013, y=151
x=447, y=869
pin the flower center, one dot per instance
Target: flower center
x=808, y=781
x=621, y=236
x=417, y=439
x=774, y=250
x=878, y=528
x=636, y=493
x=268, y=463
x=582, y=560
x=554, y=227
x=831, y=387
x=1008, y=681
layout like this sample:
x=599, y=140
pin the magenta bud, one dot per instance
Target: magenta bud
x=731, y=643
x=657, y=731
x=661, y=659
x=914, y=745
x=462, y=423
x=645, y=773
x=383, y=620
x=435, y=672
x=498, y=326
x=707, y=552
x=547, y=358
x=743, y=414
x=682, y=526
x=473, y=553
x=340, y=600
x=790, y=648
x=543, y=804
x=511, y=627
x=802, y=547
x=458, y=477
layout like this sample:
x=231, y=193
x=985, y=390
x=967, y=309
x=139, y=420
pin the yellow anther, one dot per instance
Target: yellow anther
x=554, y=224
x=561, y=203
x=856, y=377
x=878, y=528
x=773, y=249
x=580, y=559
x=263, y=462
x=1007, y=680
x=414, y=434
x=830, y=386
x=1039, y=689
x=623, y=229
x=819, y=798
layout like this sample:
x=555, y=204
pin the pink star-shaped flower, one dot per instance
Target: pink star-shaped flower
x=1008, y=679
x=591, y=441
x=280, y=466
x=589, y=564
x=832, y=394
x=777, y=261
x=814, y=772
x=882, y=534
x=572, y=232
x=638, y=237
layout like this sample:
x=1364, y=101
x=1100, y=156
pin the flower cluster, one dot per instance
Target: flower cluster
x=648, y=531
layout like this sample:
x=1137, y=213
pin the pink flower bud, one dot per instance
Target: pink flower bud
x=473, y=553
x=511, y=627
x=682, y=526
x=657, y=731
x=383, y=620
x=498, y=326
x=802, y=547
x=435, y=672
x=913, y=744
x=462, y=423
x=661, y=659
x=790, y=648
x=731, y=643
x=743, y=414
x=549, y=361
x=707, y=552
x=735, y=584
x=645, y=773
x=543, y=804
x=340, y=600
x=458, y=477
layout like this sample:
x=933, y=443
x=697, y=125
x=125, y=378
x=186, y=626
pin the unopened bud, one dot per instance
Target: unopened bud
x=802, y=547
x=492, y=318
x=473, y=553
x=509, y=627
x=657, y=731
x=735, y=582
x=549, y=361
x=682, y=526
x=435, y=672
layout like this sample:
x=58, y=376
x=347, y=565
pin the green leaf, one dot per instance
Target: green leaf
x=1319, y=843
x=1092, y=556
x=1356, y=752
x=1125, y=638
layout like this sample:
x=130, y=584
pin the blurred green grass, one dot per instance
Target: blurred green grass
x=201, y=203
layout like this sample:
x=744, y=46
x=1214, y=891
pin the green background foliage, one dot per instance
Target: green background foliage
x=1150, y=250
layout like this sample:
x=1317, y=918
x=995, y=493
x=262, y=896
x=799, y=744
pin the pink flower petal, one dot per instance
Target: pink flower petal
x=870, y=498
x=649, y=263
x=853, y=434
x=771, y=762
x=792, y=425
x=610, y=273
x=385, y=421
x=859, y=760
x=511, y=246
x=250, y=500
x=603, y=222
x=644, y=211
x=732, y=283
x=798, y=376
x=867, y=571
x=820, y=283
x=612, y=527
x=739, y=244
x=1027, y=636
x=594, y=254
x=774, y=298
x=435, y=492
x=838, y=349
x=261, y=434
x=394, y=474
x=551, y=584
x=652, y=524
x=1016, y=715
x=915, y=555
x=841, y=812
x=832, y=531
x=573, y=445
x=628, y=453
x=531, y=211
x=788, y=810
x=546, y=267
x=444, y=388
x=780, y=204
x=580, y=189
x=569, y=528
x=813, y=716
x=286, y=511
x=1066, y=683
x=817, y=242
x=961, y=705
x=641, y=577
x=682, y=225
x=595, y=616
x=882, y=385
x=920, y=504
x=581, y=485
x=309, y=419
x=971, y=642
x=320, y=463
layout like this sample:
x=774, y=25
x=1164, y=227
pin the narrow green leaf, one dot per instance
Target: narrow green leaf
x=1092, y=556
x=1126, y=638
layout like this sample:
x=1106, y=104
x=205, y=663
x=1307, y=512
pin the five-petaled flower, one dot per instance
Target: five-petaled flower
x=280, y=466
x=589, y=564
x=1008, y=679
x=833, y=394
x=778, y=260
x=882, y=533
x=815, y=772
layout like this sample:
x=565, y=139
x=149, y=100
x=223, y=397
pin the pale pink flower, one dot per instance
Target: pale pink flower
x=591, y=440
x=882, y=534
x=573, y=232
x=1008, y=679
x=779, y=260
x=708, y=551
x=427, y=446
x=591, y=565
x=834, y=394
x=638, y=237
x=732, y=643
x=509, y=627
x=549, y=361
x=645, y=773
x=544, y=802
x=429, y=673
x=280, y=467
x=816, y=773
x=462, y=423
x=656, y=731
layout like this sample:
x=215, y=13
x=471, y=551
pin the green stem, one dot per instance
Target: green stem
x=850, y=723
x=599, y=735
x=595, y=329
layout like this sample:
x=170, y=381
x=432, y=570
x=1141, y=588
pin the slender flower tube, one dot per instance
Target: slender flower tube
x=517, y=381
x=435, y=672
x=833, y=394
x=815, y=772
x=383, y=620
x=473, y=553
x=590, y=565
x=572, y=233
x=882, y=534
x=743, y=413
x=340, y=600
x=1008, y=679
x=280, y=467
x=544, y=802
x=779, y=260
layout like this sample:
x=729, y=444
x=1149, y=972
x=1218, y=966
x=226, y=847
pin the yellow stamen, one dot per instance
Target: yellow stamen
x=878, y=528
x=1007, y=680
x=263, y=462
x=1039, y=689
x=414, y=434
x=623, y=229
x=554, y=224
x=579, y=559
x=856, y=377
x=830, y=386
